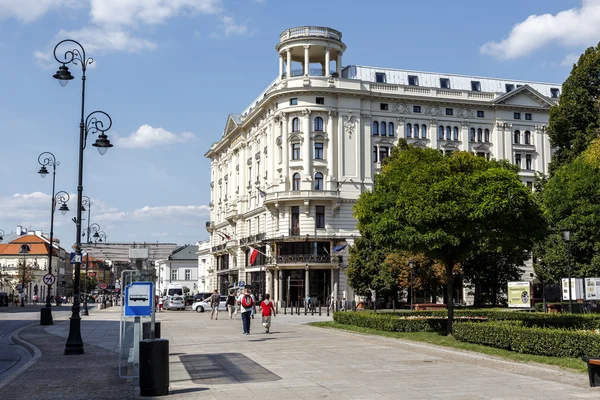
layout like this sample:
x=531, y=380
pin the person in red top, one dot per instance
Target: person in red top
x=268, y=310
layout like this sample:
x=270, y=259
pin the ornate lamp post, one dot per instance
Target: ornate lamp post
x=91, y=228
x=91, y=124
x=411, y=265
x=48, y=159
x=566, y=235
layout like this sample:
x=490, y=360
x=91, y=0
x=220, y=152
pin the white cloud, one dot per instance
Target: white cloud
x=31, y=10
x=231, y=28
x=131, y=12
x=574, y=27
x=96, y=39
x=173, y=214
x=569, y=60
x=148, y=136
x=259, y=1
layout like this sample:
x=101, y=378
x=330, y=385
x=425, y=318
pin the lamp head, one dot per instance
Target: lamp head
x=411, y=264
x=64, y=209
x=63, y=75
x=43, y=171
x=102, y=144
x=566, y=235
x=96, y=236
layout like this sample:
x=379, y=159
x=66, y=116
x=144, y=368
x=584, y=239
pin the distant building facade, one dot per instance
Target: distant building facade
x=181, y=267
x=287, y=171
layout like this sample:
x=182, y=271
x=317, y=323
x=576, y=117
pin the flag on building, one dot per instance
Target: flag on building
x=225, y=235
x=339, y=247
x=262, y=193
x=253, y=255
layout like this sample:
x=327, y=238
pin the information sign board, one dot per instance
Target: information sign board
x=519, y=294
x=592, y=288
x=138, y=299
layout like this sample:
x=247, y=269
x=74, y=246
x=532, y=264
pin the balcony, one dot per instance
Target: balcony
x=431, y=92
x=259, y=237
x=305, y=258
x=310, y=31
x=274, y=197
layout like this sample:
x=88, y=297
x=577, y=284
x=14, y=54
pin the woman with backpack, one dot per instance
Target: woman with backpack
x=230, y=303
x=246, y=303
x=267, y=309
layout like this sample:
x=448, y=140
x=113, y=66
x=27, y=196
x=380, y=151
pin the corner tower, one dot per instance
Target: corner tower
x=310, y=51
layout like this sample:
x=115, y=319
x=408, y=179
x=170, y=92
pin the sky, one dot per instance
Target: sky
x=170, y=71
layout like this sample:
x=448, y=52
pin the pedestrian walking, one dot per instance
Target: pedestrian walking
x=268, y=309
x=343, y=305
x=230, y=303
x=215, y=299
x=160, y=304
x=246, y=304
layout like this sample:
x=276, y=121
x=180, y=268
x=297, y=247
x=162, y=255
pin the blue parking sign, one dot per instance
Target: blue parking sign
x=139, y=299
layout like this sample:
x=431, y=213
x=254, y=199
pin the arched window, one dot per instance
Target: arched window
x=517, y=137
x=527, y=137
x=472, y=134
x=424, y=131
x=486, y=135
x=479, y=135
x=296, y=124
x=383, y=130
x=416, y=131
x=318, y=124
x=408, y=130
x=390, y=129
x=440, y=132
x=375, y=128
x=318, y=181
x=455, y=130
x=448, y=133
x=296, y=182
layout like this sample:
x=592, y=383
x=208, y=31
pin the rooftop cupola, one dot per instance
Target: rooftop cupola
x=310, y=51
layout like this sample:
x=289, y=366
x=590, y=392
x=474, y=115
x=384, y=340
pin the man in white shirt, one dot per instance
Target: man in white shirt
x=247, y=304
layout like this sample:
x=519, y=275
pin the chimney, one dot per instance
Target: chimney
x=19, y=230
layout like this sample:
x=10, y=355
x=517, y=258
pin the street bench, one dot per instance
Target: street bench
x=593, y=370
x=429, y=306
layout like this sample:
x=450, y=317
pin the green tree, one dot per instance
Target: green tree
x=364, y=267
x=89, y=283
x=447, y=207
x=575, y=120
x=186, y=290
x=25, y=272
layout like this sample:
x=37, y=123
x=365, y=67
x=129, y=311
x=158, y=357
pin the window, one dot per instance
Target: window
x=295, y=217
x=383, y=128
x=375, y=128
x=527, y=137
x=188, y=274
x=294, y=101
x=517, y=115
x=320, y=217
x=509, y=87
x=417, y=109
x=296, y=124
x=320, y=100
x=472, y=135
x=424, y=131
x=318, y=124
x=476, y=86
x=518, y=86
x=374, y=153
x=486, y=135
x=296, y=182
x=380, y=77
x=480, y=154
x=449, y=111
x=448, y=133
x=383, y=106
x=318, y=181
x=480, y=114
x=479, y=135
x=530, y=185
x=416, y=131
x=383, y=153
x=517, y=137
x=527, y=117
x=445, y=83
x=173, y=274
x=440, y=132
x=408, y=130
x=318, y=151
x=295, y=151
x=554, y=93
x=391, y=129
x=528, y=162
x=455, y=131
x=413, y=80
x=518, y=160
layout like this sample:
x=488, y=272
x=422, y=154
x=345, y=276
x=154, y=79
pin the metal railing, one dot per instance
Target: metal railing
x=305, y=258
x=303, y=31
x=295, y=231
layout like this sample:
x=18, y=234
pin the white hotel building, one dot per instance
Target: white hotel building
x=287, y=171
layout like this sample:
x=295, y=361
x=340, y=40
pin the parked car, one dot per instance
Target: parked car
x=201, y=306
x=201, y=296
x=174, y=303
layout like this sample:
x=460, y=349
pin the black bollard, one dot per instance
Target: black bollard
x=146, y=330
x=328, y=307
x=305, y=309
x=284, y=308
x=154, y=367
x=319, y=309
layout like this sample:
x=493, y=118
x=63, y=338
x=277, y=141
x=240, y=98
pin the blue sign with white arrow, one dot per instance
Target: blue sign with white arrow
x=139, y=299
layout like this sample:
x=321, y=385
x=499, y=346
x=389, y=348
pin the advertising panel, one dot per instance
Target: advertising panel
x=592, y=288
x=519, y=294
x=577, y=292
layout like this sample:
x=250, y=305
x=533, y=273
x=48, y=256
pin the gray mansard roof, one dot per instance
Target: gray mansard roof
x=187, y=252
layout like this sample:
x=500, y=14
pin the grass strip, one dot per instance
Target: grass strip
x=573, y=364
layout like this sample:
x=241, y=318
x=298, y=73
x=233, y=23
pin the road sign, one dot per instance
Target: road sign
x=103, y=286
x=75, y=258
x=242, y=284
x=20, y=287
x=49, y=279
x=139, y=299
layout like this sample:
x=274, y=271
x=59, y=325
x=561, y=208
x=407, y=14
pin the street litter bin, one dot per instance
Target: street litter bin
x=154, y=367
x=147, y=327
x=593, y=370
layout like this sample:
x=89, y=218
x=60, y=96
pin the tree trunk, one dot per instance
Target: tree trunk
x=477, y=295
x=450, y=296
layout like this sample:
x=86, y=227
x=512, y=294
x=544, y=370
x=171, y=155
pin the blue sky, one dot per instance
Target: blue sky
x=169, y=71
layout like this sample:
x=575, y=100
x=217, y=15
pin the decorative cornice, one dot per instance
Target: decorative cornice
x=401, y=108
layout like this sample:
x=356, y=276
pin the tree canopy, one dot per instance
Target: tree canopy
x=445, y=207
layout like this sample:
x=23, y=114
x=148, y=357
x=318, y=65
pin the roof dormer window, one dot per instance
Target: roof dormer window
x=413, y=80
x=380, y=77
x=444, y=83
x=509, y=87
x=476, y=86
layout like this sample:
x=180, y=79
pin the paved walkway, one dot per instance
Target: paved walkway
x=212, y=360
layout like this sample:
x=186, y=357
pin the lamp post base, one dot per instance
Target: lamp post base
x=74, y=343
x=85, y=310
x=46, y=316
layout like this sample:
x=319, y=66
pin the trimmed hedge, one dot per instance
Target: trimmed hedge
x=511, y=335
x=390, y=323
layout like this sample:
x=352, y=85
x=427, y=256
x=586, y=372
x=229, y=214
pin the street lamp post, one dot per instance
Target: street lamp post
x=91, y=124
x=411, y=265
x=566, y=234
x=95, y=228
